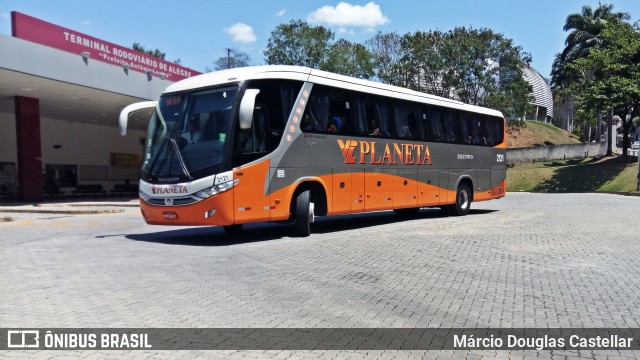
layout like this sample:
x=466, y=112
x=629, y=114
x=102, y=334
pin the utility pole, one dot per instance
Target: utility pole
x=610, y=134
x=228, y=58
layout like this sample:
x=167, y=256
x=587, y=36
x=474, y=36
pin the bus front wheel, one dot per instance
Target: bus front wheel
x=304, y=214
x=463, y=201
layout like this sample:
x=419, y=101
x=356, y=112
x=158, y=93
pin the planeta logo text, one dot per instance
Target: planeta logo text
x=366, y=152
x=169, y=189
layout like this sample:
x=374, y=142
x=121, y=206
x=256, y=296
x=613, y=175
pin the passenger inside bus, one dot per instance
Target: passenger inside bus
x=335, y=124
x=308, y=124
x=374, y=129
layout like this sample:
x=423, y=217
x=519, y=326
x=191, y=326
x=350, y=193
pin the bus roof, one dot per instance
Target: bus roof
x=319, y=77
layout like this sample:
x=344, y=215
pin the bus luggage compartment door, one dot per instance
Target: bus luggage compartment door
x=428, y=187
x=347, y=191
x=405, y=189
x=341, y=191
x=378, y=186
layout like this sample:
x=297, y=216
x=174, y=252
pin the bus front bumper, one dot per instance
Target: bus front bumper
x=216, y=210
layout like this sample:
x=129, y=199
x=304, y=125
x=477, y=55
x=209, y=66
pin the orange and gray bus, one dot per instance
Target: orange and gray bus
x=284, y=143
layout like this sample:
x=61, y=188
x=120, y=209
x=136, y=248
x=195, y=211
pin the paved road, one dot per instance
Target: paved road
x=528, y=260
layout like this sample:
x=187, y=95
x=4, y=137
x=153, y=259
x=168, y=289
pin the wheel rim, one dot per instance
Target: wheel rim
x=311, y=212
x=463, y=199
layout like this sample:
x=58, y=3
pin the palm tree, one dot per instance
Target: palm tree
x=585, y=30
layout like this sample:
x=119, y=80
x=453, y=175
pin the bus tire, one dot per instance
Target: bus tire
x=304, y=215
x=232, y=229
x=463, y=201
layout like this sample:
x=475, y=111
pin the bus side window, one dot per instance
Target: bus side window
x=384, y=117
x=450, y=121
x=359, y=114
x=316, y=116
x=486, y=137
x=436, y=121
x=497, y=127
x=425, y=125
x=401, y=115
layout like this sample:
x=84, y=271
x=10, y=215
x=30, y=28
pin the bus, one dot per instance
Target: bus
x=287, y=144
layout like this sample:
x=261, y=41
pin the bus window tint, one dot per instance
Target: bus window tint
x=328, y=110
x=384, y=116
x=273, y=106
x=401, y=112
x=361, y=109
x=450, y=122
x=333, y=110
x=468, y=125
x=435, y=119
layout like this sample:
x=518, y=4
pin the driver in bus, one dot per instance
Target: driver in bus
x=193, y=134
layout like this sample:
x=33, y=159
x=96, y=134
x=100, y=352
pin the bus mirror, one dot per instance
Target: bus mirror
x=246, y=108
x=140, y=109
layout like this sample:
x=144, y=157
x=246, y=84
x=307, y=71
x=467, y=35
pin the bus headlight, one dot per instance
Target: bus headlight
x=143, y=195
x=216, y=189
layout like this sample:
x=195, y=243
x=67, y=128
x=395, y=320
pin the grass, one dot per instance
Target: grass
x=537, y=133
x=613, y=174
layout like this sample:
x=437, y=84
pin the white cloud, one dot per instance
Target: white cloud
x=85, y=22
x=281, y=13
x=241, y=33
x=345, y=15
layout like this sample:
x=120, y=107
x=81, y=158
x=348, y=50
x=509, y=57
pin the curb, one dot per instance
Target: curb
x=64, y=212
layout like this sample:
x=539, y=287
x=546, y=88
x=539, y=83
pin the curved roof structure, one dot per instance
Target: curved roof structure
x=541, y=89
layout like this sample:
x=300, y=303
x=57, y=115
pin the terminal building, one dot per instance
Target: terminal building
x=542, y=96
x=61, y=92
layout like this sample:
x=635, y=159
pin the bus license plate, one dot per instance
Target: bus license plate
x=170, y=215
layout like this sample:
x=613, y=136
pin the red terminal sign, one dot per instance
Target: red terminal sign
x=44, y=33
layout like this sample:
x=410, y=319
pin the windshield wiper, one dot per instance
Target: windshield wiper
x=172, y=139
x=180, y=159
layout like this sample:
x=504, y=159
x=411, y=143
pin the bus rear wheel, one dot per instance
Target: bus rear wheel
x=304, y=214
x=463, y=201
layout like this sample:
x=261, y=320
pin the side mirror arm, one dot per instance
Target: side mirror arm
x=124, y=114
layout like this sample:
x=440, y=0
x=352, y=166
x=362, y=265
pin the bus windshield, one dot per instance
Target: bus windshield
x=186, y=138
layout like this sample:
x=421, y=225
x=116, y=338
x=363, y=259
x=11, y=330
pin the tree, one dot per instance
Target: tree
x=485, y=69
x=297, y=43
x=234, y=59
x=155, y=53
x=586, y=29
x=349, y=59
x=585, y=33
x=386, y=51
x=610, y=75
x=424, y=61
x=478, y=67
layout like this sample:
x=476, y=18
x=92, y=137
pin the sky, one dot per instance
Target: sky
x=198, y=31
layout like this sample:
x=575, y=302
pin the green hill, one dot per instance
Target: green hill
x=536, y=133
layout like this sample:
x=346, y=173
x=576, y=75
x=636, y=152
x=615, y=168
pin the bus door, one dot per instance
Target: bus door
x=429, y=187
x=249, y=200
x=405, y=188
x=348, y=191
x=378, y=188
